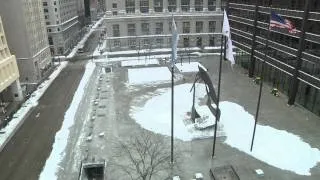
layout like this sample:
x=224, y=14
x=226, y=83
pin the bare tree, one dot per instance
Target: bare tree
x=143, y=157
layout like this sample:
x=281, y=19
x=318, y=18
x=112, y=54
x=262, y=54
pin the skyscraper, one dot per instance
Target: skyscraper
x=63, y=25
x=292, y=58
x=9, y=74
x=23, y=22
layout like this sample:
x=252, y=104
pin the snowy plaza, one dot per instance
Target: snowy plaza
x=116, y=99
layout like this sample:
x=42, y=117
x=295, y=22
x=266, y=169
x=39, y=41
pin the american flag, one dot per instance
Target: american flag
x=278, y=21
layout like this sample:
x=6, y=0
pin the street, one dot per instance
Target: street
x=24, y=156
x=35, y=137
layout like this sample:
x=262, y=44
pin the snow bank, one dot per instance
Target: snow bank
x=140, y=76
x=140, y=58
x=140, y=62
x=188, y=67
x=57, y=154
x=278, y=148
x=275, y=147
x=155, y=115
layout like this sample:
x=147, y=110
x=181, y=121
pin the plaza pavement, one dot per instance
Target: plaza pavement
x=112, y=118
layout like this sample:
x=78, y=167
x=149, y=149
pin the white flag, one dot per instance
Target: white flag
x=174, y=42
x=225, y=26
x=226, y=32
x=229, y=51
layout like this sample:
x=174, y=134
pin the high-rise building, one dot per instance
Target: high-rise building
x=63, y=25
x=81, y=12
x=141, y=24
x=9, y=74
x=101, y=6
x=87, y=10
x=94, y=5
x=292, y=59
x=24, y=24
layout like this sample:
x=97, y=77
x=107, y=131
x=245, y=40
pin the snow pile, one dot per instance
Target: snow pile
x=19, y=116
x=143, y=62
x=211, y=47
x=140, y=58
x=140, y=76
x=155, y=50
x=57, y=154
x=155, y=115
x=278, y=148
x=188, y=67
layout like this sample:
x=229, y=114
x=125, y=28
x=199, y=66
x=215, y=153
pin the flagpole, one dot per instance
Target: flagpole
x=172, y=108
x=173, y=58
x=218, y=99
x=261, y=81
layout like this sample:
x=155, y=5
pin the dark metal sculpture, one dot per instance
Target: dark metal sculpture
x=204, y=76
x=212, y=97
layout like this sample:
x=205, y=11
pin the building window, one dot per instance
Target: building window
x=130, y=6
x=145, y=28
x=159, y=42
x=114, y=13
x=186, y=27
x=212, y=26
x=199, y=26
x=199, y=42
x=158, y=5
x=50, y=40
x=117, y=43
x=159, y=28
x=47, y=23
x=132, y=43
x=116, y=30
x=185, y=5
x=55, y=9
x=211, y=41
x=45, y=10
x=131, y=29
x=172, y=5
x=146, y=43
x=186, y=42
x=144, y=6
x=198, y=5
x=54, y=3
x=211, y=5
x=49, y=30
x=114, y=5
x=46, y=17
x=45, y=4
